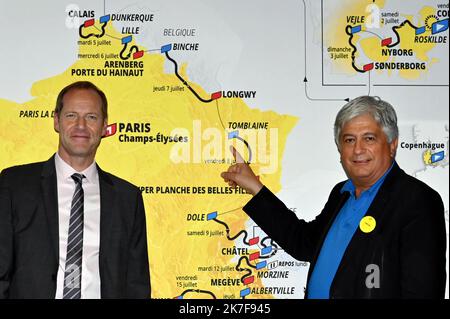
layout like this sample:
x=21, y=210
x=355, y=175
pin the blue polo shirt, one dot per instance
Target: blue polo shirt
x=339, y=236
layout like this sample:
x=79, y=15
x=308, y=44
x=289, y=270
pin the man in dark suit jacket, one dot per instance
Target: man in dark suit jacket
x=41, y=209
x=381, y=233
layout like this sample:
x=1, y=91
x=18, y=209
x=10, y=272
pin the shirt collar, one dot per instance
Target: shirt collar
x=66, y=171
x=350, y=187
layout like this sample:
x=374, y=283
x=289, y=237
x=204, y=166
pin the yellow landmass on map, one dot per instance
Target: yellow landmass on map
x=335, y=35
x=372, y=49
x=369, y=48
x=427, y=157
x=133, y=99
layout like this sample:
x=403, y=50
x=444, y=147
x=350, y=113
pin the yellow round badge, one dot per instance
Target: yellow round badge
x=367, y=224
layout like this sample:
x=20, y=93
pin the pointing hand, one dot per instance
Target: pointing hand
x=241, y=174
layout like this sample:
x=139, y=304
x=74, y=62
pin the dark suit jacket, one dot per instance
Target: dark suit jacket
x=29, y=235
x=408, y=243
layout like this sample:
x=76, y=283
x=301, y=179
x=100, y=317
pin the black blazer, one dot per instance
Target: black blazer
x=408, y=243
x=29, y=235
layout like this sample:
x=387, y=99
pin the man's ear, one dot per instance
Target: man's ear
x=393, y=147
x=56, y=122
x=105, y=126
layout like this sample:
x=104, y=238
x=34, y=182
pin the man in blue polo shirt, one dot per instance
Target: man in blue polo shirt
x=381, y=233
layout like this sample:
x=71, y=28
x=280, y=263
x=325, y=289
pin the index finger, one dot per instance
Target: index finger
x=236, y=155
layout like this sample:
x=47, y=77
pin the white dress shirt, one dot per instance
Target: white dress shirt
x=90, y=272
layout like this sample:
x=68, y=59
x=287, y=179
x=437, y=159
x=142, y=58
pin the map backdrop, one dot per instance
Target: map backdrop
x=187, y=79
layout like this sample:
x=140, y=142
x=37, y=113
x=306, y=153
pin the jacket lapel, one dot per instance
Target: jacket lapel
x=50, y=200
x=340, y=202
x=377, y=210
x=107, y=198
